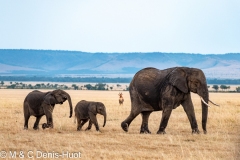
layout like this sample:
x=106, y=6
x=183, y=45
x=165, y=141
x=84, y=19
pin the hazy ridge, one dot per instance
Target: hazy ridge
x=57, y=63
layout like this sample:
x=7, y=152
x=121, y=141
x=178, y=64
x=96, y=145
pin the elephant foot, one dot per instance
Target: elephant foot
x=124, y=126
x=97, y=129
x=161, y=132
x=25, y=128
x=36, y=128
x=44, y=126
x=204, y=131
x=195, y=131
x=145, y=131
x=87, y=129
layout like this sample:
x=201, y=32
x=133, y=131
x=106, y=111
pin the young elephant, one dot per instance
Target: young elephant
x=86, y=110
x=39, y=103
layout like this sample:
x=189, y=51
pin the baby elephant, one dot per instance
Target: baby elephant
x=86, y=110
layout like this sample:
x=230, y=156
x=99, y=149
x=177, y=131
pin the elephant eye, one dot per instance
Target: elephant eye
x=196, y=83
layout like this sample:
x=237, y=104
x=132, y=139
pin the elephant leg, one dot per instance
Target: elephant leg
x=89, y=125
x=136, y=109
x=164, y=121
x=144, y=126
x=49, y=123
x=48, y=109
x=167, y=103
x=125, y=124
x=37, y=122
x=81, y=122
x=189, y=109
x=93, y=120
x=26, y=115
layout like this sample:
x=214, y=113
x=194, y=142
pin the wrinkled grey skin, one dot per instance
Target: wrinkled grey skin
x=87, y=110
x=39, y=103
x=163, y=90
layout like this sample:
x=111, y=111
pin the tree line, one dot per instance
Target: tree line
x=97, y=86
x=224, y=88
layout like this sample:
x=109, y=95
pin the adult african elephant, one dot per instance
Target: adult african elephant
x=87, y=110
x=39, y=103
x=163, y=90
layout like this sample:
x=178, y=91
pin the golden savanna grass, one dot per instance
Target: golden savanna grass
x=221, y=142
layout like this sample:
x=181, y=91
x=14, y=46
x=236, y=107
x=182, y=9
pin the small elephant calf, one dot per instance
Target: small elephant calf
x=86, y=110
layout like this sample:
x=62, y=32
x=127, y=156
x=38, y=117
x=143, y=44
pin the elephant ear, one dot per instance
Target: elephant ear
x=92, y=108
x=99, y=107
x=178, y=78
x=49, y=98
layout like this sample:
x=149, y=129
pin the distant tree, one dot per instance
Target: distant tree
x=228, y=87
x=75, y=86
x=12, y=86
x=10, y=82
x=223, y=87
x=238, y=89
x=37, y=86
x=2, y=83
x=215, y=87
x=111, y=88
x=89, y=86
x=55, y=85
x=100, y=86
x=30, y=86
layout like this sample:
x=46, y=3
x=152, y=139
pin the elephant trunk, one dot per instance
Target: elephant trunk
x=105, y=118
x=70, y=104
x=204, y=102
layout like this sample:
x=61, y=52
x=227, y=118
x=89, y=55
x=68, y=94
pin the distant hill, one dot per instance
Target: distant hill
x=55, y=63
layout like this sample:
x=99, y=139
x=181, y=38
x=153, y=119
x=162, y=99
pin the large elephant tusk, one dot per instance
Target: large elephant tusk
x=204, y=102
x=214, y=103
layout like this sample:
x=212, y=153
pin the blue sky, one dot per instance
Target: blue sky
x=189, y=26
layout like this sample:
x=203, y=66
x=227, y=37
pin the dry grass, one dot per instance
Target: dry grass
x=221, y=142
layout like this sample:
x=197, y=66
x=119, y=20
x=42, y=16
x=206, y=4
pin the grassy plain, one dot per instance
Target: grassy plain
x=221, y=142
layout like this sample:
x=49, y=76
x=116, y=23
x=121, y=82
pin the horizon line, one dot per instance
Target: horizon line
x=122, y=52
